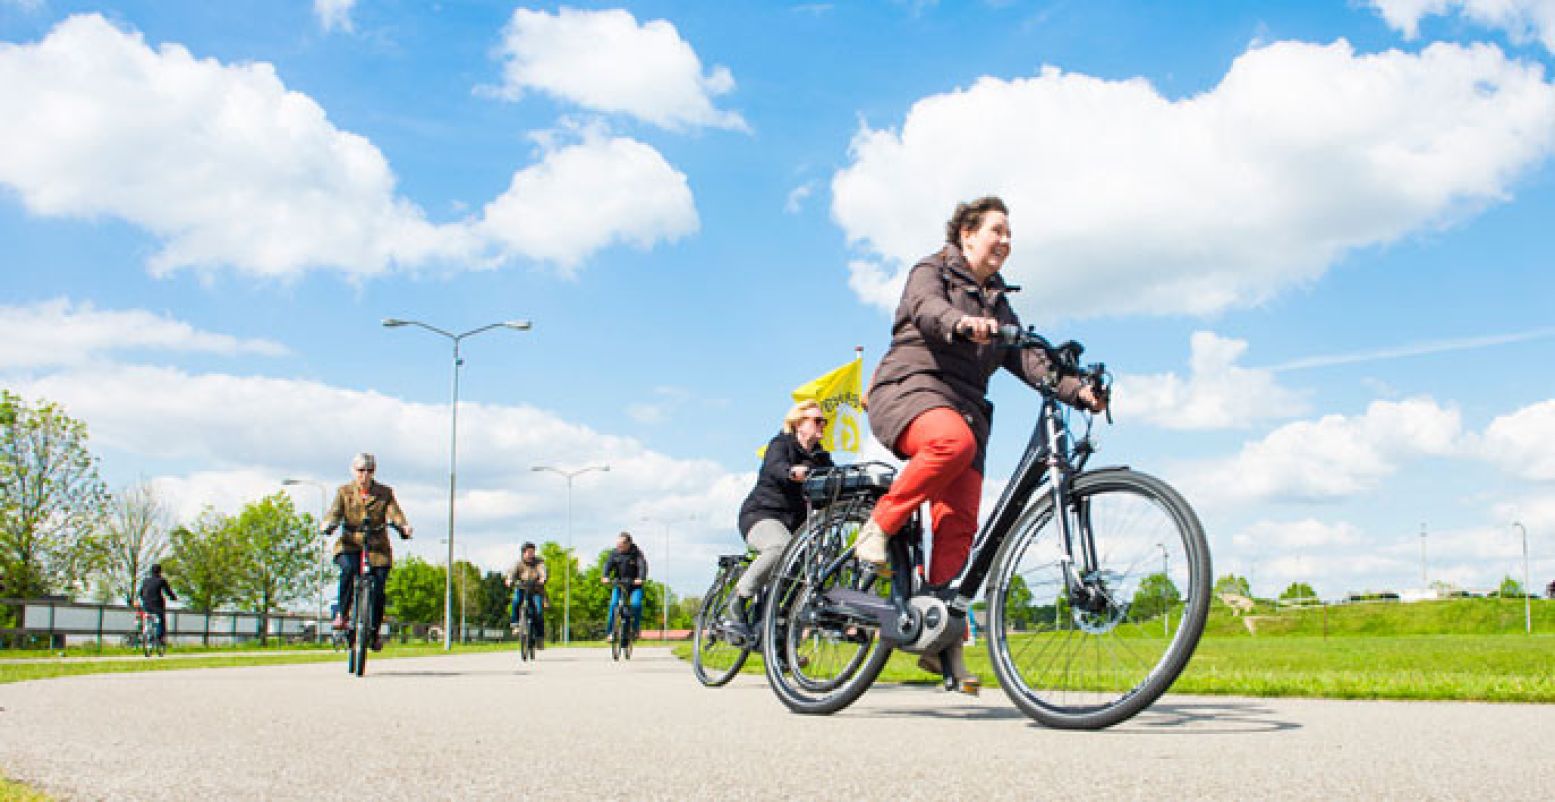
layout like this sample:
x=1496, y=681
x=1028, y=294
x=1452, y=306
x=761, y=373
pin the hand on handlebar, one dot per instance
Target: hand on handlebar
x=1093, y=398
x=980, y=330
x=637, y=582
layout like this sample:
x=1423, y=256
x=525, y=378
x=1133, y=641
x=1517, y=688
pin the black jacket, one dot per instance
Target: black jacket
x=151, y=592
x=627, y=565
x=775, y=495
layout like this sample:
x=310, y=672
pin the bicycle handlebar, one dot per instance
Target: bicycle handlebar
x=1065, y=358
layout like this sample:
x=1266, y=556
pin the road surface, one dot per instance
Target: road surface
x=577, y=726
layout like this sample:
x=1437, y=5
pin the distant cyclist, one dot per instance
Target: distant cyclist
x=366, y=508
x=628, y=564
x=529, y=572
x=776, y=505
x=152, y=593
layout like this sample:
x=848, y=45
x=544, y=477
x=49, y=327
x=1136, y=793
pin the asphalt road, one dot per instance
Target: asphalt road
x=576, y=725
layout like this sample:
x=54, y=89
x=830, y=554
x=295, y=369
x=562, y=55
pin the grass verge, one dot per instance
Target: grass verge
x=12, y=791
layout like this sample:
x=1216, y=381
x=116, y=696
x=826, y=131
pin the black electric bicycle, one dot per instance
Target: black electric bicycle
x=360, y=629
x=1081, y=567
x=528, y=637
x=719, y=651
x=622, y=633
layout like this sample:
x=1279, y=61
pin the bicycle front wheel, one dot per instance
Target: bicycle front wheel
x=363, y=627
x=714, y=659
x=147, y=641
x=1091, y=650
x=615, y=638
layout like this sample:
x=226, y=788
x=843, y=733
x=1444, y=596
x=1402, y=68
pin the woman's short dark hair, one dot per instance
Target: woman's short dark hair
x=970, y=215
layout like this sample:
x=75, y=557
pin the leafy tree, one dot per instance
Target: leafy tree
x=494, y=601
x=134, y=536
x=1156, y=594
x=1231, y=583
x=202, y=564
x=1297, y=591
x=51, y=500
x=1017, y=604
x=1510, y=588
x=415, y=591
x=277, y=554
x=467, y=593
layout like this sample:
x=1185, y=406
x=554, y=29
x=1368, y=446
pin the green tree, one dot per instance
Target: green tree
x=277, y=556
x=202, y=564
x=494, y=601
x=52, y=501
x=1156, y=594
x=134, y=536
x=1231, y=583
x=1510, y=588
x=415, y=591
x=1298, y=591
x=1017, y=604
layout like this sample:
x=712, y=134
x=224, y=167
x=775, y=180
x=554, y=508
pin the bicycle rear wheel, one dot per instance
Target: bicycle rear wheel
x=819, y=661
x=714, y=659
x=1093, y=659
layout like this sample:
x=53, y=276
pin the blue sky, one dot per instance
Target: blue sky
x=1311, y=239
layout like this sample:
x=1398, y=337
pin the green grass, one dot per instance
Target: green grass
x=12, y=791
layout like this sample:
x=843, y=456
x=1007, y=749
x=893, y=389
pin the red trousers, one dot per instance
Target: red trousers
x=940, y=447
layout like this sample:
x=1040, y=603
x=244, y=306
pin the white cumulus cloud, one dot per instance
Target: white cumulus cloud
x=1217, y=393
x=1126, y=201
x=607, y=61
x=1523, y=443
x=229, y=168
x=60, y=332
x=1333, y=457
x=1522, y=20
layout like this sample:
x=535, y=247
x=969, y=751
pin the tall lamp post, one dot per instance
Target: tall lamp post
x=1527, y=603
x=463, y=596
x=567, y=577
x=453, y=446
x=664, y=624
x=1166, y=577
x=323, y=549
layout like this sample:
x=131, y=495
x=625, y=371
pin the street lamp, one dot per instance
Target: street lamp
x=323, y=549
x=453, y=445
x=1527, y=603
x=567, y=576
x=463, y=596
x=664, y=624
x=1166, y=578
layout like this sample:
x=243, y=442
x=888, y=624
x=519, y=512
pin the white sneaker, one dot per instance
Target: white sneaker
x=870, y=545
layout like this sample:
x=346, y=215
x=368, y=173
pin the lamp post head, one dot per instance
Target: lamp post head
x=392, y=322
x=291, y=481
x=518, y=325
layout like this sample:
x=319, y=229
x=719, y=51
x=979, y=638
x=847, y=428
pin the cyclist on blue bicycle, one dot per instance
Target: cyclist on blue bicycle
x=776, y=505
x=628, y=564
x=528, y=572
x=366, y=508
x=152, y=593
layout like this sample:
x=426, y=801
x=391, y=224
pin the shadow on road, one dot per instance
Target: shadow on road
x=1205, y=718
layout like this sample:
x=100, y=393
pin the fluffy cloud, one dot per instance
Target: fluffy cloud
x=244, y=434
x=1523, y=443
x=1330, y=458
x=61, y=333
x=554, y=210
x=606, y=61
x=230, y=168
x=1125, y=201
x=334, y=15
x=1308, y=533
x=1523, y=20
x=1217, y=393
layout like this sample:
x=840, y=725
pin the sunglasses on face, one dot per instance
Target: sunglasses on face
x=363, y=470
x=817, y=421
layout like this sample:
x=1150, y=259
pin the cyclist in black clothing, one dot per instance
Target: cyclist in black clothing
x=627, y=563
x=152, y=591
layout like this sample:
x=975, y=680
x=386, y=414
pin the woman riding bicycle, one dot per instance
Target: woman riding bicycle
x=527, y=579
x=928, y=399
x=154, y=593
x=776, y=505
x=367, y=508
x=629, y=565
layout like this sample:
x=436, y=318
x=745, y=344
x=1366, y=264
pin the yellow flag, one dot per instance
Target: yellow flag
x=838, y=393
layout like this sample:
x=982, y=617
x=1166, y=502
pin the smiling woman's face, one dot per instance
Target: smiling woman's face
x=988, y=246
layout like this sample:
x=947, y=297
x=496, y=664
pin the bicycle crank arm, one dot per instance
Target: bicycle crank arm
x=896, y=625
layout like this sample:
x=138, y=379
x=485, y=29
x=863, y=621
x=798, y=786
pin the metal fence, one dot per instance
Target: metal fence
x=57, y=622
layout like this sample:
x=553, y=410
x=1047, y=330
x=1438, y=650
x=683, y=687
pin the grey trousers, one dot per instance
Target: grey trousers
x=769, y=537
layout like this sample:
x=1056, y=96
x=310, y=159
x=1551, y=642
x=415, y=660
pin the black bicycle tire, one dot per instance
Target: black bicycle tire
x=1182, y=646
x=712, y=603
x=847, y=690
x=615, y=638
x=147, y=644
x=363, y=623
